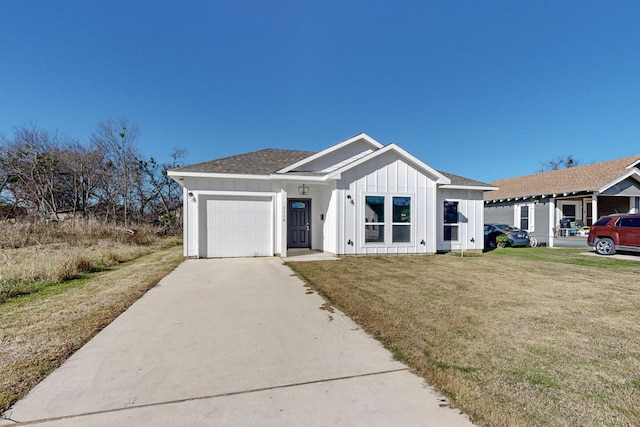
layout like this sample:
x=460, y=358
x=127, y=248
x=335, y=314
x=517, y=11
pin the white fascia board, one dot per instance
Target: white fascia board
x=633, y=173
x=177, y=175
x=467, y=187
x=291, y=177
x=234, y=193
x=440, y=178
x=634, y=164
x=362, y=136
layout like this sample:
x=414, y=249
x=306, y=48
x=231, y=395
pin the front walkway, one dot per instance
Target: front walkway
x=232, y=342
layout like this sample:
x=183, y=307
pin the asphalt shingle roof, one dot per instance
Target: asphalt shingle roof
x=262, y=162
x=461, y=180
x=576, y=179
x=271, y=160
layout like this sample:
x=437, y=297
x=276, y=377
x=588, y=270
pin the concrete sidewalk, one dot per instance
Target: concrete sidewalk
x=232, y=342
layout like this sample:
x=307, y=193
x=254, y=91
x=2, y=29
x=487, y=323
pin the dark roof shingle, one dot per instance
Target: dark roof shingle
x=262, y=162
x=461, y=180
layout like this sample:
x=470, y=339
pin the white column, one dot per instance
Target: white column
x=594, y=207
x=552, y=220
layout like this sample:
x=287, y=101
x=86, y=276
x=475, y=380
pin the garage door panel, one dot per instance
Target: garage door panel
x=239, y=227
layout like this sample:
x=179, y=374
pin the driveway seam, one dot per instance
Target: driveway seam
x=192, y=399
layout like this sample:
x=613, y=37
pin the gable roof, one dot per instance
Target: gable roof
x=261, y=162
x=586, y=178
x=439, y=177
x=360, y=138
x=283, y=164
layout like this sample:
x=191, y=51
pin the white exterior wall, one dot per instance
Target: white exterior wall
x=471, y=223
x=201, y=188
x=386, y=176
x=338, y=209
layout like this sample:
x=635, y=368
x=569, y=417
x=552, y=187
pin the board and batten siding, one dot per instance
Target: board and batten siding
x=195, y=238
x=388, y=176
x=470, y=225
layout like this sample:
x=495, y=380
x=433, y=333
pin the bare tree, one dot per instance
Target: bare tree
x=33, y=172
x=86, y=173
x=560, y=163
x=115, y=140
x=164, y=195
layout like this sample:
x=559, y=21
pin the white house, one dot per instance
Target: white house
x=355, y=197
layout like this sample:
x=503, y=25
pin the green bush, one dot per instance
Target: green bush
x=502, y=240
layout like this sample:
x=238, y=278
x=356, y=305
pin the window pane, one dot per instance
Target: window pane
x=374, y=233
x=402, y=209
x=450, y=232
x=569, y=211
x=374, y=209
x=401, y=233
x=298, y=205
x=524, y=217
x=450, y=212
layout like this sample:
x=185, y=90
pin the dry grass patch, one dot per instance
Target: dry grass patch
x=39, y=331
x=553, y=340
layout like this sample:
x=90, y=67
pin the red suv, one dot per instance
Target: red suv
x=615, y=232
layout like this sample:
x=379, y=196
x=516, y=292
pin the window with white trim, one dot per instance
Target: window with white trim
x=524, y=217
x=401, y=219
x=451, y=220
x=382, y=228
x=374, y=219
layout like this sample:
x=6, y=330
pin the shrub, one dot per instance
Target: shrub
x=502, y=240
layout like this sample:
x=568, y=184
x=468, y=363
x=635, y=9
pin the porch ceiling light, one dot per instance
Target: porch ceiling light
x=303, y=190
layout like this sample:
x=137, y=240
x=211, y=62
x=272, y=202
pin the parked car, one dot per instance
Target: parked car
x=516, y=236
x=615, y=232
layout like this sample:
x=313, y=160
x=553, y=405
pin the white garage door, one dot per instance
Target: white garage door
x=239, y=227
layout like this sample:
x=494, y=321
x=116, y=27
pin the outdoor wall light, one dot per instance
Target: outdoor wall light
x=350, y=199
x=190, y=194
x=303, y=190
x=422, y=242
x=350, y=242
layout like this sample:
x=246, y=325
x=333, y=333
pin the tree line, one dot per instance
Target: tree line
x=49, y=175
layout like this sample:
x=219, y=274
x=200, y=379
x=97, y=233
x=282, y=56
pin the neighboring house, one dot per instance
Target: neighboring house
x=551, y=204
x=355, y=197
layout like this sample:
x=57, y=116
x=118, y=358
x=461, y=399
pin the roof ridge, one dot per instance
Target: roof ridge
x=573, y=168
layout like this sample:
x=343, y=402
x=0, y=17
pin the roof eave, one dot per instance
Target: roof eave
x=631, y=173
x=361, y=136
x=428, y=170
x=178, y=174
x=468, y=187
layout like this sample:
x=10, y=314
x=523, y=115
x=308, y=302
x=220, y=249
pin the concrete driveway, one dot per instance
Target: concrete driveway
x=235, y=342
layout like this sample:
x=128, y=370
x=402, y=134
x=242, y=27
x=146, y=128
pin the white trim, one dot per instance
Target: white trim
x=634, y=164
x=388, y=222
x=620, y=179
x=517, y=216
x=468, y=187
x=321, y=179
x=360, y=137
x=452, y=224
x=439, y=178
x=176, y=175
x=234, y=193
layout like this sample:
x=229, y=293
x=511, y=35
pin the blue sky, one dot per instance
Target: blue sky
x=483, y=89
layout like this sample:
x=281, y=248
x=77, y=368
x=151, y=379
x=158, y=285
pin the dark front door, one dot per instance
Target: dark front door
x=299, y=223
